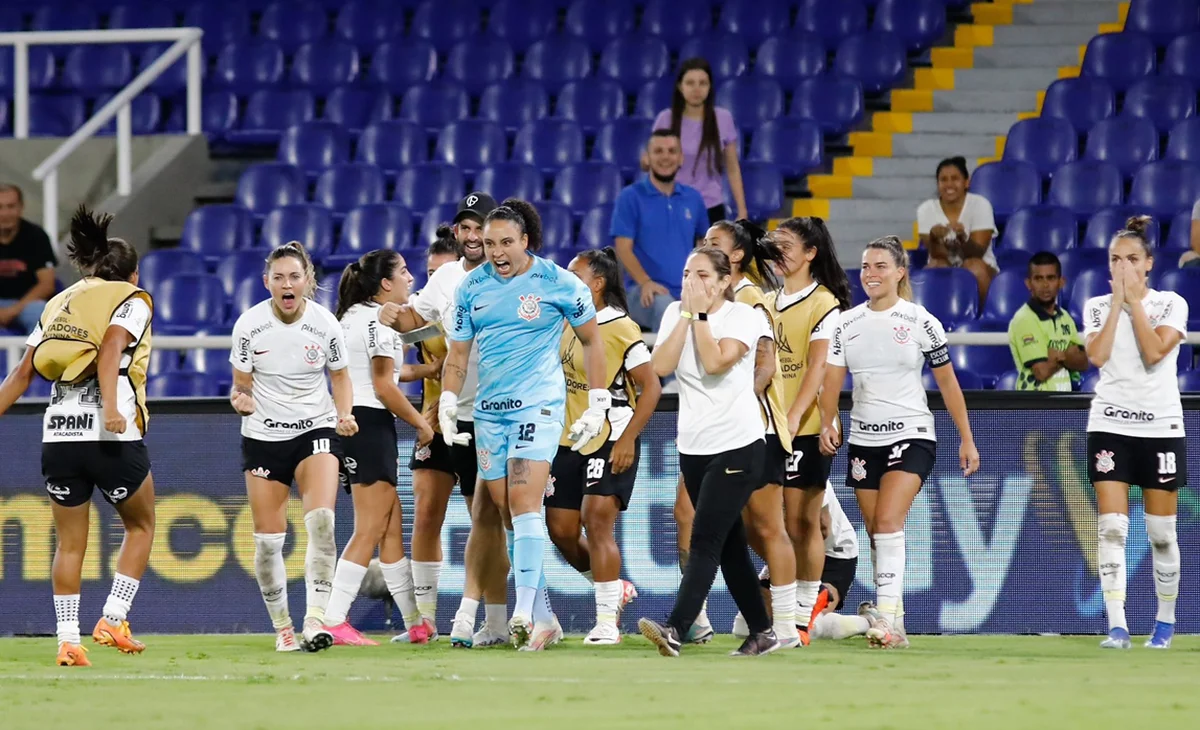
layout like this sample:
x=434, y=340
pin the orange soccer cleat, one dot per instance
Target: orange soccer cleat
x=72, y=655
x=118, y=636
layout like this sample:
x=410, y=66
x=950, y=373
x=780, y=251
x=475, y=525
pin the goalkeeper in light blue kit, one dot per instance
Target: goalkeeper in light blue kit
x=515, y=306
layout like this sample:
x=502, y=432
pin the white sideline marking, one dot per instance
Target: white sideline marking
x=85, y=676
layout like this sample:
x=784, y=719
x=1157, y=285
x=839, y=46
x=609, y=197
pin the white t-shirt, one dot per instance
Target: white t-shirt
x=621, y=413
x=75, y=412
x=366, y=339
x=1132, y=399
x=435, y=303
x=976, y=215
x=289, y=363
x=885, y=352
x=842, y=542
x=718, y=413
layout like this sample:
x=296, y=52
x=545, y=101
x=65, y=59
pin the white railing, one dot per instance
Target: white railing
x=186, y=40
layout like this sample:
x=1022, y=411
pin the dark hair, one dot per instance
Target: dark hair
x=959, y=163
x=361, y=280
x=524, y=215
x=90, y=248
x=894, y=246
x=10, y=188
x=444, y=242
x=758, y=251
x=720, y=263
x=710, y=134
x=1043, y=258
x=1136, y=228
x=295, y=250
x=824, y=267
x=603, y=263
x=665, y=132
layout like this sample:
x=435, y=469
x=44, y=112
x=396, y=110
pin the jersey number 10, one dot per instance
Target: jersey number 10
x=320, y=446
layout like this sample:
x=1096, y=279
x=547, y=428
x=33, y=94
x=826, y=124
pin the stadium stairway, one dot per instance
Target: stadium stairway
x=993, y=74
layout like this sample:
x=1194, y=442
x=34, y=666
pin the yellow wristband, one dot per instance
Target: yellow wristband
x=685, y=315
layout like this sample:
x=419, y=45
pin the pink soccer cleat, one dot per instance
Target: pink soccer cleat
x=346, y=635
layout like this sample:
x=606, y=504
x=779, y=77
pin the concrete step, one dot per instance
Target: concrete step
x=909, y=167
x=963, y=123
x=1057, y=35
x=886, y=211
x=943, y=145
x=965, y=100
x=998, y=79
x=909, y=188
x=1046, y=13
x=1042, y=57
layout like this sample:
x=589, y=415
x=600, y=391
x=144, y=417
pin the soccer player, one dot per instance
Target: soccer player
x=1045, y=345
x=291, y=429
x=884, y=343
x=369, y=466
x=515, y=306
x=93, y=343
x=590, y=486
x=708, y=341
x=1135, y=432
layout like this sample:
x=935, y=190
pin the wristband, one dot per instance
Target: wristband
x=702, y=316
x=685, y=315
x=598, y=398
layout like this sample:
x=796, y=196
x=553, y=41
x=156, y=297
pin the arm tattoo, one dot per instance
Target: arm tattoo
x=683, y=559
x=457, y=370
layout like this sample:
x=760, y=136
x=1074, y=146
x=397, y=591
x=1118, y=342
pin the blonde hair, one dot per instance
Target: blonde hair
x=295, y=250
x=894, y=246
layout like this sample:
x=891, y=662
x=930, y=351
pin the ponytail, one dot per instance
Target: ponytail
x=362, y=280
x=603, y=263
x=760, y=255
x=295, y=250
x=90, y=248
x=444, y=242
x=524, y=215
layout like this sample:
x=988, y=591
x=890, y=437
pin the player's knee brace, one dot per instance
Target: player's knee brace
x=1160, y=530
x=1112, y=528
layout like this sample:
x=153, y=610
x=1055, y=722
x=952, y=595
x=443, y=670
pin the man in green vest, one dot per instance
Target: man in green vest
x=1045, y=344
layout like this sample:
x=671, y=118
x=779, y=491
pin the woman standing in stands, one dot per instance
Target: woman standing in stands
x=957, y=227
x=884, y=343
x=93, y=343
x=709, y=138
x=1135, y=431
x=282, y=348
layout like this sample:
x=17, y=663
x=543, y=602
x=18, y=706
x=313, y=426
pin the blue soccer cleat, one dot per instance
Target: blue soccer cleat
x=1117, y=639
x=1161, y=638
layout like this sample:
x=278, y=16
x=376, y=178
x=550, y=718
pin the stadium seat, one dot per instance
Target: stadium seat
x=1008, y=185
x=522, y=22
x=65, y=16
x=1012, y=258
x=355, y=108
x=156, y=265
x=324, y=65
x=174, y=79
x=222, y=23
x=93, y=68
x=763, y=184
x=445, y=22
x=182, y=385
x=622, y=141
x=919, y=23
x=249, y=64
x=1040, y=228
x=598, y=23
x=349, y=185
x=311, y=225
x=218, y=114
x=213, y=362
x=592, y=103
x=1087, y=284
x=563, y=256
x=1185, y=283
x=367, y=23
x=1186, y=357
x=314, y=146
x=1122, y=59
x=371, y=227
x=41, y=67
x=511, y=180
x=834, y=21
x=654, y=96
x=392, y=145
x=1125, y=141
x=1162, y=20
x=1107, y=221
x=790, y=58
x=967, y=380
x=585, y=185
x=875, y=58
x=514, y=102
x=1189, y=381
x=753, y=20
x=1183, y=143
x=212, y=231
x=55, y=116
x=186, y=303
x=951, y=295
x=725, y=51
x=145, y=113
x=549, y=144
x=857, y=294
x=476, y=62
x=556, y=59
x=269, y=112
x=433, y=106
x=327, y=291
x=676, y=22
x=834, y=102
x=1085, y=186
x=431, y=219
x=1008, y=380
x=421, y=186
x=1163, y=100
x=161, y=361
x=753, y=100
x=557, y=226
x=398, y=66
x=1077, y=260
x=1183, y=58
x=238, y=267
x=1179, y=235
x=1044, y=142
x=248, y=293
x=633, y=59
x=595, y=228
x=1166, y=187
x=471, y=144
x=1082, y=101
x=1005, y=296
x=795, y=145
x=292, y=24
x=266, y=186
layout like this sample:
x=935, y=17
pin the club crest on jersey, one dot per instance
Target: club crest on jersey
x=530, y=309
x=1104, y=462
x=858, y=469
x=901, y=335
x=313, y=355
x=549, y=488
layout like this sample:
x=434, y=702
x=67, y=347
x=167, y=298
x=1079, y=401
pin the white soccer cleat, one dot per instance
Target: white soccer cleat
x=603, y=635
x=1117, y=638
x=316, y=636
x=701, y=631
x=462, y=634
x=628, y=594
x=285, y=640
x=520, y=628
x=486, y=637
x=740, y=629
x=545, y=634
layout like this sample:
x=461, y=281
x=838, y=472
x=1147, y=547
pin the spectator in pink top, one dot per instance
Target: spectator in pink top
x=709, y=137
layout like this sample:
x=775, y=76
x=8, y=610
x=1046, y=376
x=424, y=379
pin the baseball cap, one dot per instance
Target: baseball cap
x=475, y=204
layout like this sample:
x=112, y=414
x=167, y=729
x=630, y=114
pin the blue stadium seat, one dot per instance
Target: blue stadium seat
x=1185, y=283
x=249, y=64
x=676, y=22
x=1008, y=380
x=511, y=180
x=291, y=24
x=1125, y=141
x=585, y=185
x=371, y=227
x=1077, y=260
x=145, y=113
x=790, y=58
x=919, y=23
x=218, y=114
x=1085, y=186
x=550, y=144
x=324, y=65
x=238, y=267
x=92, y=68
x=557, y=226
x=633, y=59
x=1106, y=222
x=141, y=15
x=875, y=58
x=398, y=66
x=445, y=22
x=156, y=265
x=1012, y=258
x=1045, y=142
x=392, y=145
x=595, y=228
x=213, y=362
x=1184, y=141
x=4, y=125
x=314, y=146
x=590, y=102
x=753, y=20
x=832, y=21
x=349, y=185
x=514, y=102
x=266, y=186
x=432, y=218
x=1082, y=101
x=1008, y=185
x=477, y=62
x=1183, y=57
x=1163, y=100
x=835, y=102
x=471, y=144
x=622, y=141
x=182, y=385
x=563, y=256
x=433, y=106
x=55, y=116
x=522, y=22
x=1122, y=59
x=65, y=16
x=1087, y=284
x=421, y=186
x=186, y=303
x=367, y=23
x=763, y=184
x=174, y=79
x=222, y=23
x=598, y=23
x=1040, y=228
x=654, y=96
x=1189, y=381
x=212, y=231
x=355, y=108
x=310, y=224
x=269, y=112
x=1005, y=296
x=753, y=100
x=1162, y=20
x=967, y=380
x=725, y=52
x=41, y=67
x=248, y=293
x=951, y=295
x=161, y=361
x=795, y=145
x=1186, y=358
x=557, y=59
x=1166, y=187
x=1179, y=235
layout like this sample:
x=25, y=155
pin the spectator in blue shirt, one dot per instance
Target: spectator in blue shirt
x=656, y=223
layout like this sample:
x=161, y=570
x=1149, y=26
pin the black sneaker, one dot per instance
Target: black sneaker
x=666, y=638
x=757, y=644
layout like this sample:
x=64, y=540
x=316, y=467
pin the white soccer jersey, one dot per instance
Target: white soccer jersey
x=289, y=363
x=435, y=303
x=366, y=339
x=842, y=542
x=75, y=412
x=885, y=352
x=1132, y=399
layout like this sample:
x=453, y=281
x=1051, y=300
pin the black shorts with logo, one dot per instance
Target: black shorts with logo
x=868, y=464
x=1150, y=463
x=573, y=475
x=72, y=469
x=278, y=460
x=807, y=466
x=371, y=455
x=458, y=461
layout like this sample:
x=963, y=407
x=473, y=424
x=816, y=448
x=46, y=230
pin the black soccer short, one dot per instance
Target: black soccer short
x=1150, y=463
x=773, y=469
x=371, y=455
x=72, y=469
x=839, y=573
x=278, y=460
x=807, y=466
x=868, y=464
x=457, y=461
x=573, y=475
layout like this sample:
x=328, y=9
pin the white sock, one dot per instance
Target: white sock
x=468, y=609
x=1165, y=547
x=898, y=623
x=399, y=579
x=702, y=617
x=66, y=612
x=425, y=586
x=271, y=575
x=783, y=609
x=542, y=610
x=495, y=617
x=608, y=599
x=806, y=598
x=587, y=574
x=836, y=626
x=889, y=573
x=120, y=598
x=1112, y=529
x=347, y=579
x=320, y=558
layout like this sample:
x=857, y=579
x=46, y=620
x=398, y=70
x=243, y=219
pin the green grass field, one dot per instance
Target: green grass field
x=234, y=682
